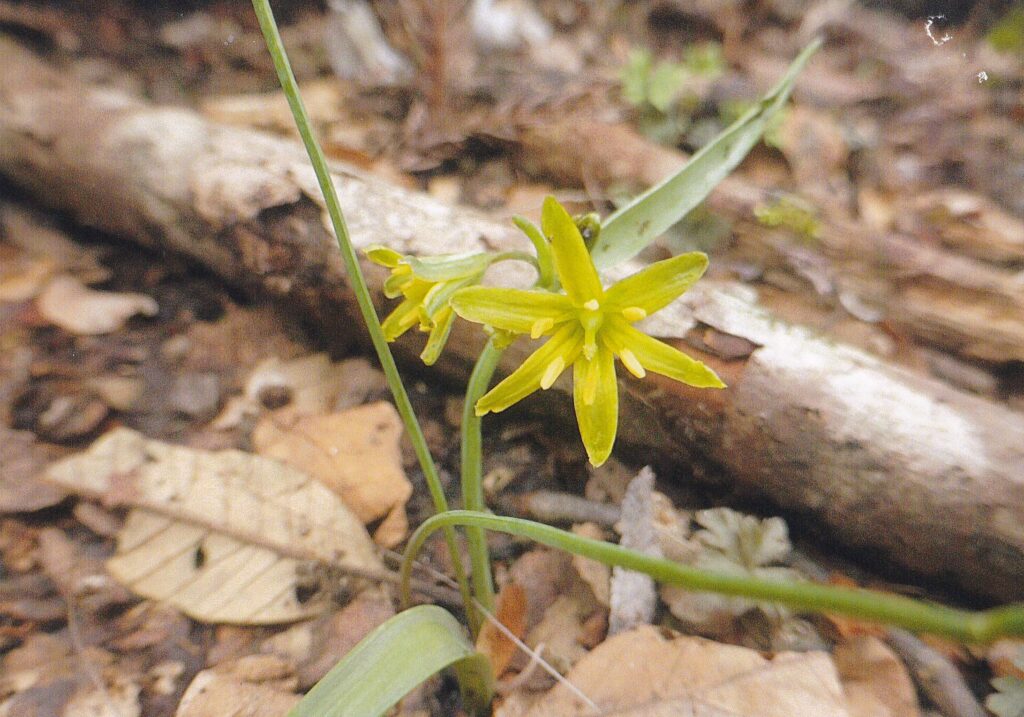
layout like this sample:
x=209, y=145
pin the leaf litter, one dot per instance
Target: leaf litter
x=220, y=535
x=950, y=222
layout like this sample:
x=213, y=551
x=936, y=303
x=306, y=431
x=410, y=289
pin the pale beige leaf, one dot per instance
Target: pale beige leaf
x=355, y=453
x=645, y=673
x=253, y=686
x=220, y=535
x=74, y=307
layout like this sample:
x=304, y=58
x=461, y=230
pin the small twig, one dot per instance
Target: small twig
x=552, y=507
x=937, y=677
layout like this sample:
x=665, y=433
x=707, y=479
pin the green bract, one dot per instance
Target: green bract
x=589, y=327
x=427, y=286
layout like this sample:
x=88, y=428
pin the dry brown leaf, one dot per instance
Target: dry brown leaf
x=23, y=460
x=315, y=646
x=561, y=631
x=875, y=680
x=254, y=686
x=23, y=277
x=646, y=673
x=510, y=611
x=220, y=535
x=74, y=307
x=355, y=453
x=119, y=699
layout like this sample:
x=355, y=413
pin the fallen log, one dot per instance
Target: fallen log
x=882, y=459
x=964, y=304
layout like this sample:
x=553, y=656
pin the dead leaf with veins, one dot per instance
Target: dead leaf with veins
x=74, y=307
x=355, y=453
x=224, y=535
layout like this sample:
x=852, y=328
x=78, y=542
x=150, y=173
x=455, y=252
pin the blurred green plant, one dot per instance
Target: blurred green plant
x=1007, y=35
x=792, y=213
x=663, y=93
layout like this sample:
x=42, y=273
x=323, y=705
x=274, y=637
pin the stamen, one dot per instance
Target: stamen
x=552, y=372
x=541, y=326
x=633, y=313
x=592, y=305
x=632, y=364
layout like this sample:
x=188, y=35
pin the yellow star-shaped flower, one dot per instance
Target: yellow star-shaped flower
x=589, y=327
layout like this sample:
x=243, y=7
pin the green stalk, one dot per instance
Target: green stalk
x=316, y=156
x=472, y=476
x=962, y=625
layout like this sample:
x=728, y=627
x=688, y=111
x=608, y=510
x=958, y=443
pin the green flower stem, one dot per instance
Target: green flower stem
x=472, y=475
x=965, y=626
x=355, y=274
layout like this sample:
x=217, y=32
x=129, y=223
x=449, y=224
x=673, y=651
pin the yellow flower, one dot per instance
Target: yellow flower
x=426, y=286
x=589, y=327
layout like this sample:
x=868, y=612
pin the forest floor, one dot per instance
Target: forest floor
x=901, y=126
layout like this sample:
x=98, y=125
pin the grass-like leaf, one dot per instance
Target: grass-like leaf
x=393, y=659
x=632, y=227
x=888, y=608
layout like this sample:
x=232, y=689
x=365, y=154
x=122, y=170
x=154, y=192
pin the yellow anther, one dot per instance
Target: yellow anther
x=552, y=372
x=632, y=364
x=592, y=305
x=541, y=326
x=633, y=313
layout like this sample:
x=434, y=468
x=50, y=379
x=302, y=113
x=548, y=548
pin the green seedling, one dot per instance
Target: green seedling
x=588, y=326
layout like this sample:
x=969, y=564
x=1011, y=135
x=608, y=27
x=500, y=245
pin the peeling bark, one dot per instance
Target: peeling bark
x=883, y=459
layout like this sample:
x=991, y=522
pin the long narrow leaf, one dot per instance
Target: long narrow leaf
x=393, y=659
x=632, y=227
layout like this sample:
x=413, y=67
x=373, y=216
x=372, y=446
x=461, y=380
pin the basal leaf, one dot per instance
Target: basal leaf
x=392, y=660
x=631, y=228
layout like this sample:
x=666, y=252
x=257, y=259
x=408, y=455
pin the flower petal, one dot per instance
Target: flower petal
x=526, y=379
x=403, y=318
x=596, y=397
x=572, y=260
x=443, y=321
x=658, y=285
x=510, y=309
x=383, y=256
x=659, y=357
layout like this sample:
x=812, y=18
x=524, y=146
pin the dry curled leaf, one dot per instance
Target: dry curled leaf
x=224, y=536
x=74, y=307
x=510, y=611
